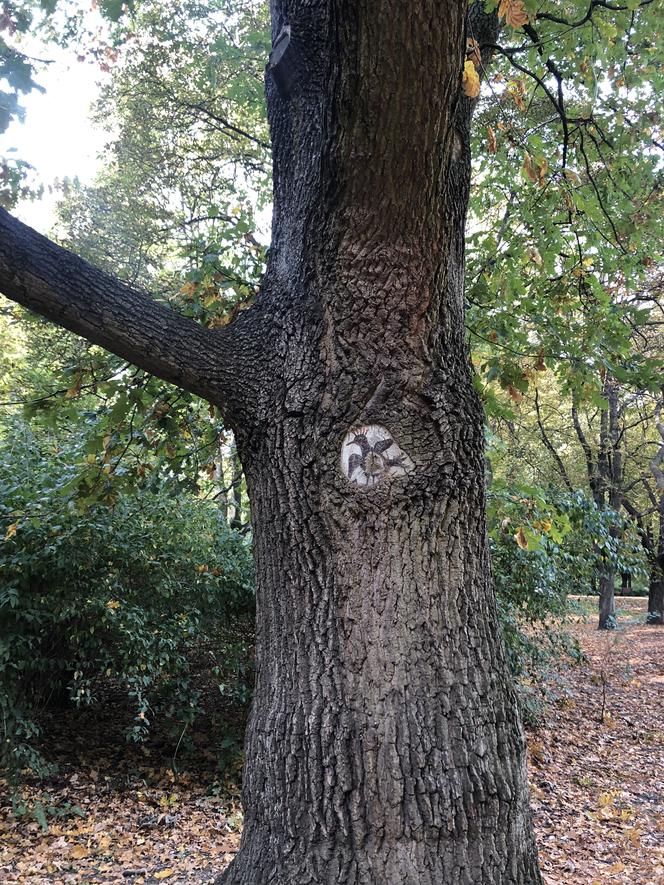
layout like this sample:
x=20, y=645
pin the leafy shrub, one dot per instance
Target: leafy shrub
x=121, y=593
x=546, y=547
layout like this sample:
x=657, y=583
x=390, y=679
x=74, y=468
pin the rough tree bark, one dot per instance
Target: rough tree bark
x=384, y=744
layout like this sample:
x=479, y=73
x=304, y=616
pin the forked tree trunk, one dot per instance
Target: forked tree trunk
x=384, y=746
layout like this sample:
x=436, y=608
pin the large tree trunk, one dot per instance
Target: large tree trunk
x=384, y=746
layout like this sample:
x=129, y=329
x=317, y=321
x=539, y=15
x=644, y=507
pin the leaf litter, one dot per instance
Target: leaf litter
x=124, y=816
x=597, y=780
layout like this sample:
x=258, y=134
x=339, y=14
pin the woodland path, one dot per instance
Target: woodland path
x=598, y=786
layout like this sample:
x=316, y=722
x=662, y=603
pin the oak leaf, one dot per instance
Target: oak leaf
x=492, y=145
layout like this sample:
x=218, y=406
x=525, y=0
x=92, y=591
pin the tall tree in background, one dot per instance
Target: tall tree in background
x=655, y=535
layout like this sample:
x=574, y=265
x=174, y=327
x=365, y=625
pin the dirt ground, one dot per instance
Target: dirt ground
x=595, y=764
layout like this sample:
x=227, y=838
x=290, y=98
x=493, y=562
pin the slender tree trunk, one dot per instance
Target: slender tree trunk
x=220, y=482
x=625, y=583
x=656, y=585
x=656, y=598
x=607, y=604
x=236, y=490
x=609, y=462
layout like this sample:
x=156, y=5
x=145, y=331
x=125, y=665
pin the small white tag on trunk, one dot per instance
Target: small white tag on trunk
x=369, y=455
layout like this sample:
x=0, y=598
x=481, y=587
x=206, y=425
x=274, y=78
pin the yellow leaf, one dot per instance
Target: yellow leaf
x=520, y=538
x=514, y=13
x=11, y=531
x=112, y=604
x=79, y=851
x=617, y=867
x=542, y=167
x=529, y=169
x=492, y=145
x=164, y=874
x=471, y=81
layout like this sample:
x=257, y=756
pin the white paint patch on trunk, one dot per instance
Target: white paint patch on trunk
x=369, y=455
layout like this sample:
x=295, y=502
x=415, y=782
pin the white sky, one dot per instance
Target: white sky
x=57, y=137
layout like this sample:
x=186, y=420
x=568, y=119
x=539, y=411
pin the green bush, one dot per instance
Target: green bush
x=119, y=592
x=545, y=547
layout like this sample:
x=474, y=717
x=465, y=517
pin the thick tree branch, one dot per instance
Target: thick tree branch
x=64, y=288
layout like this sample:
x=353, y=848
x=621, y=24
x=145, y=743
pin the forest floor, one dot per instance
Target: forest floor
x=596, y=766
x=597, y=763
